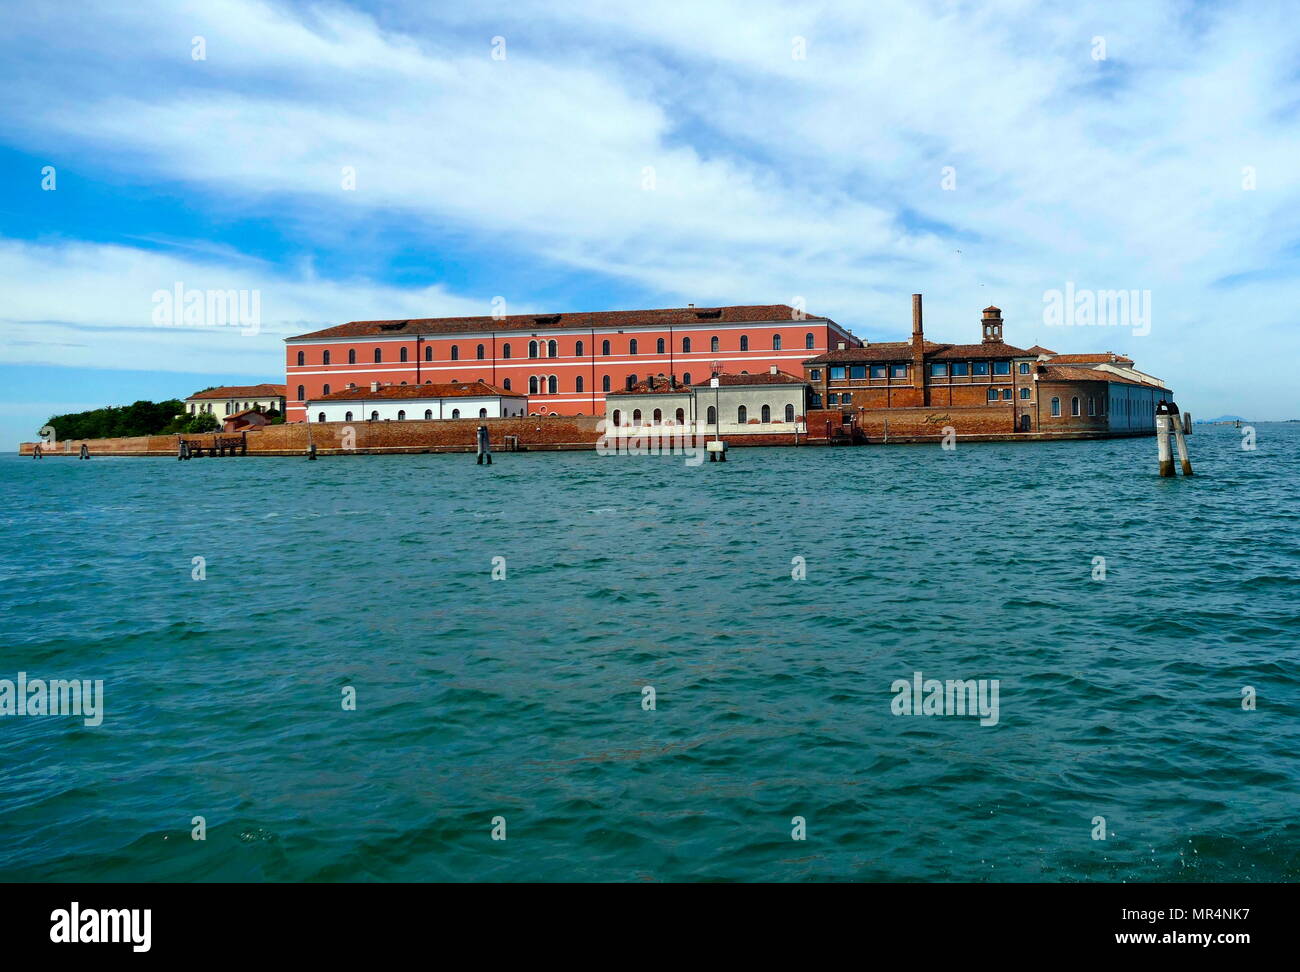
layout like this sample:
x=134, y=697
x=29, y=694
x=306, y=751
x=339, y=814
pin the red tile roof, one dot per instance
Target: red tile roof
x=241, y=391
x=877, y=351
x=762, y=378
x=1053, y=372
x=959, y=351
x=662, y=385
x=459, y=389
x=1103, y=357
x=1039, y=349
x=600, y=320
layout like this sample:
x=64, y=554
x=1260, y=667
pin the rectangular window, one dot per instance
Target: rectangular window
x=979, y=368
x=878, y=371
x=993, y=394
x=960, y=369
x=938, y=370
x=816, y=374
x=1024, y=393
x=1006, y=394
x=846, y=399
x=1002, y=367
x=898, y=371
x=833, y=399
x=1092, y=406
x=857, y=371
x=837, y=372
x=1024, y=367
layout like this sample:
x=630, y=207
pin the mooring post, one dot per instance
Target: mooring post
x=1181, y=439
x=311, y=452
x=85, y=452
x=1163, y=430
x=36, y=451
x=483, y=445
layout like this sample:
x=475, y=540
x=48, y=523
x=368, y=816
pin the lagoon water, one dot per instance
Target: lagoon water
x=522, y=698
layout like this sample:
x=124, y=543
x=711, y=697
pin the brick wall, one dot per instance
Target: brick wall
x=549, y=432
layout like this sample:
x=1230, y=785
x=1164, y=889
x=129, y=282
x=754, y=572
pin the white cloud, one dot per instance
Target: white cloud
x=92, y=306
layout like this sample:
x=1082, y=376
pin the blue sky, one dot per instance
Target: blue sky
x=641, y=155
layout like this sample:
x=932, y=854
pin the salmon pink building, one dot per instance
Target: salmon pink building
x=563, y=363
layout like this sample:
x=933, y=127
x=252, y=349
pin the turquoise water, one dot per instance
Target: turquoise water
x=522, y=698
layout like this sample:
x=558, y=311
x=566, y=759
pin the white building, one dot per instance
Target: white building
x=229, y=399
x=768, y=403
x=397, y=403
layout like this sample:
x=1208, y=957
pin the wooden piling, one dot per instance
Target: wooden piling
x=1163, y=428
x=483, y=445
x=1181, y=439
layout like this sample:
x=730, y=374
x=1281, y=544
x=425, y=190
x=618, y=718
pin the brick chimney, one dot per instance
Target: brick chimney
x=374, y=386
x=992, y=325
x=921, y=389
x=771, y=369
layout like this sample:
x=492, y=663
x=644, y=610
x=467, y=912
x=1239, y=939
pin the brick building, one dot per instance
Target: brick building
x=919, y=387
x=563, y=363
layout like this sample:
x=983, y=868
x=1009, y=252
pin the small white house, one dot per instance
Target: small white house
x=397, y=403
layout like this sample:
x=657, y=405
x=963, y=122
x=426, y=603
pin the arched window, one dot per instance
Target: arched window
x=659, y=346
x=352, y=355
x=631, y=346
x=428, y=352
x=401, y=415
x=776, y=342
x=577, y=383
x=478, y=352
x=455, y=352
x=617, y=415
x=631, y=380
x=532, y=385
x=374, y=416
x=401, y=353
x=506, y=384
x=808, y=341
x=742, y=415
x=428, y=414
x=320, y=417
x=532, y=349
x=347, y=416
x=552, y=349
x=325, y=390
x=455, y=413
x=505, y=350
x=686, y=378
x=713, y=416
x=324, y=357
x=604, y=347
x=301, y=395
x=302, y=358
x=789, y=413
x=1074, y=405
x=1056, y=407
x=658, y=416
x=713, y=343
x=482, y=413
x=686, y=345
x=379, y=355
x=636, y=417
x=551, y=385
x=767, y=414
x=577, y=350
x=744, y=342
x=681, y=416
